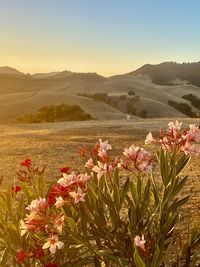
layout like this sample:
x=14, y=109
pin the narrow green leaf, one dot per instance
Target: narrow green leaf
x=4, y=256
x=124, y=191
x=137, y=260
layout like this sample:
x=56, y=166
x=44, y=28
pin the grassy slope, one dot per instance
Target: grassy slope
x=22, y=95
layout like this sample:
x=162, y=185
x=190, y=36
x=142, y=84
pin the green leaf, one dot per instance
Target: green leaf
x=137, y=260
x=116, y=197
x=155, y=260
x=72, y=224
x=164, y=167
x=4, y=256
x=41, y=185
x=178, y=204
x=182, y=163
x=124, y=191
x=108, y=255
x=134, y=193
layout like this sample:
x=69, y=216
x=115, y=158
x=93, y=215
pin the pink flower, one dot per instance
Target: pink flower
x=103, y=155
x=59, y=223
x=139, y=242
x=194, y=134
x=67, y=179
x=104, y=145
x=32, y=223
x=100, y=169
x=89, y=164
x=82, y=179
x=53, y=243
x=190, y=149
x=78, y=196
x=38, y=205
x=131, y=152
x=141, y=158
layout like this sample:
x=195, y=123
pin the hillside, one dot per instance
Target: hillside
x=168, y=72
x=10, y=71
x=24, y=94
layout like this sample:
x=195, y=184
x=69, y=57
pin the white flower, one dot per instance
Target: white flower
x=59, y=202
x=149, y=139
x=175, y=126
x=52, y=244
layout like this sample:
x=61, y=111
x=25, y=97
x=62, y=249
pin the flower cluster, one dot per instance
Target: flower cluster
x=70, y=188
x=141, y=158
x=174, y=138
x=29, y=171
x=42, y=219
x=63, y=214
x=99, y=163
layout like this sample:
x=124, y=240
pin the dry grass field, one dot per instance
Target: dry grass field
x=20, y=95
x=55, y=144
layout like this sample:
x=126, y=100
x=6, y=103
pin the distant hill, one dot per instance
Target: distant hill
x=44, y=75
x=153, y=85
x=166, y=73
x=11, y=71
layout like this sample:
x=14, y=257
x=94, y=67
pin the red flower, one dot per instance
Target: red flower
x=64, y=169
x=39, y=253
x=52, y=265
x=51, y=199
x=82, y=151
x=16, y=188
x=21, y=255
x=26, y=162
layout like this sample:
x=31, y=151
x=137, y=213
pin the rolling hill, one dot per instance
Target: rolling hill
x=22, y=94
x=167, y=73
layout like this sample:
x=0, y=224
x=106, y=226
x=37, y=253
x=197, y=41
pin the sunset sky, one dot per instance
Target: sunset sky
x=104, y=36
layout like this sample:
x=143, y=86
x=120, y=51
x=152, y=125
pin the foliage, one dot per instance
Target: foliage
x=194, y=100
x=124, y=103
x=183, y=107
x=54, y=113
x=131, y=93
x=120, y=212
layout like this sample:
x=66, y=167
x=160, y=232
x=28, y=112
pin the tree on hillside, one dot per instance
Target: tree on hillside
x=131, y=93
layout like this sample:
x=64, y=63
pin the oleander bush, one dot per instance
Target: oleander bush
x=120, y=211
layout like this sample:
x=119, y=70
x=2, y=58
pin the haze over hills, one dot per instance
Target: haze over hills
x=154, y=86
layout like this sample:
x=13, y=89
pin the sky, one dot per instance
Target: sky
x=104, y=36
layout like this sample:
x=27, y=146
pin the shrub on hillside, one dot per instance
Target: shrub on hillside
x=183, y=107
x=131, y=93
x=194, y=100
x=53, y=113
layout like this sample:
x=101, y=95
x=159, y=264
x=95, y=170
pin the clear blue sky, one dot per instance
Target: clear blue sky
x=104, y=36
